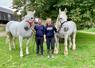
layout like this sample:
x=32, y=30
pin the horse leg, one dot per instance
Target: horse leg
x=10, y=48
x=56, y=48
x=9, y=40
x=27, y=46
x=14, y=42
x=65, y=44
x=74, y=44
x=20, y=43
x=70, y=42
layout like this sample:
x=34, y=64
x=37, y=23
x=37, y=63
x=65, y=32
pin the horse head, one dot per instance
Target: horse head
x=30, y=15
x=29, y=18
x=62, y=15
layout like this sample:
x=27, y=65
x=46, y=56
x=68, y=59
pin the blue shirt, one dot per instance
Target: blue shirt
x=49, y=31
x=40, y=30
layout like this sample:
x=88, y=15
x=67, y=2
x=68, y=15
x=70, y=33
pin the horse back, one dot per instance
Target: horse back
x=71, y=26
x=9, y=25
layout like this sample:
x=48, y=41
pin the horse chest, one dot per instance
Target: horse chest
x=24, y=32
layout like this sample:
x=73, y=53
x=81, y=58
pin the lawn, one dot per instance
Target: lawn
x=89, y=30
x=83, y=57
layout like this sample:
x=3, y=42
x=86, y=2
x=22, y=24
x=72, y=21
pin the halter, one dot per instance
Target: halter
x=30, y=22
x=61, y=25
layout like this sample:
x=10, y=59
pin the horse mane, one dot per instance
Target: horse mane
x=69, y=19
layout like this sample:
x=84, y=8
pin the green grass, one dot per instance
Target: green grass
x=83, y=57
x=90, y=30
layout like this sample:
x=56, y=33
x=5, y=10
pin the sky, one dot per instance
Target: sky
x=6, y=3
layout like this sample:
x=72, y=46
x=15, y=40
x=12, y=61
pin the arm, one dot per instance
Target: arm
x=34, y=29
x=44, y=33
x=44, y=29
x=45, y=38
x=55, y=29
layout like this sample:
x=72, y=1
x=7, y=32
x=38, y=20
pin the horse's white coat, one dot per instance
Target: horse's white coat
x=17, y=29
x=66, y=31
x=71, y=28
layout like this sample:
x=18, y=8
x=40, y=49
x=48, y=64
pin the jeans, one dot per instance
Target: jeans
x=50, y=45
x=39, y=44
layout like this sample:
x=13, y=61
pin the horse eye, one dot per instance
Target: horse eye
x=60, y=18
x=31, y=17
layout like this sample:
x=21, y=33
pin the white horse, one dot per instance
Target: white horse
x=66, y=30
x=21, y=30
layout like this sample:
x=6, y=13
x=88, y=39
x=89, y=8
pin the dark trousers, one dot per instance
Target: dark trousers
x=50, y=45
x=39, y=43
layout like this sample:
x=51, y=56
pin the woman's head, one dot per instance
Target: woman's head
x=48, y=21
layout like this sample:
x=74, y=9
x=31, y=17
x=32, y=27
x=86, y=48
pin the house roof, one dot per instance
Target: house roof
x=6, y=10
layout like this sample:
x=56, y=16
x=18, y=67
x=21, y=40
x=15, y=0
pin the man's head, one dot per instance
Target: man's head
x=39, y=21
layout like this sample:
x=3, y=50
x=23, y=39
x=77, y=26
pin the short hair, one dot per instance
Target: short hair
x=39, y=18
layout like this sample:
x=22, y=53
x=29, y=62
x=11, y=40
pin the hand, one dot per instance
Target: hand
x=45, y=39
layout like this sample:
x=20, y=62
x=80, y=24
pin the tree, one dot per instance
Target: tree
x=80, y=11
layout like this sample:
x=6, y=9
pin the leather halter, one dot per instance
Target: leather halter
x=61, y=25
x=30, y=22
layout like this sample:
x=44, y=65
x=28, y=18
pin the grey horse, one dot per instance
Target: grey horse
x=21, y=30
x=66, y=30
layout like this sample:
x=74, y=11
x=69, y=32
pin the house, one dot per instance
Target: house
x=6, y=15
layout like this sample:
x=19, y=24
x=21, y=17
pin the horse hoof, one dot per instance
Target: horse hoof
x=21, y=56
x=55, y=52
x=10, y=49
x=74, y=49
x=27, y=53
x=65, y=53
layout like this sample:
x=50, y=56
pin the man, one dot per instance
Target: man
x=40, y=29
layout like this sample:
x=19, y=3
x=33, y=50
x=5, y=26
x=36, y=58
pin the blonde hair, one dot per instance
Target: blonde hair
x=48, y=20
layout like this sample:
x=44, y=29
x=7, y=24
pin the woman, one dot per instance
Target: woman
x=40, y=30
x=49, y=32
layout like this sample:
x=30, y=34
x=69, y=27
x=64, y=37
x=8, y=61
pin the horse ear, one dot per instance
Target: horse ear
x=59, y=10
x=34, y=11
x=65, y=10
